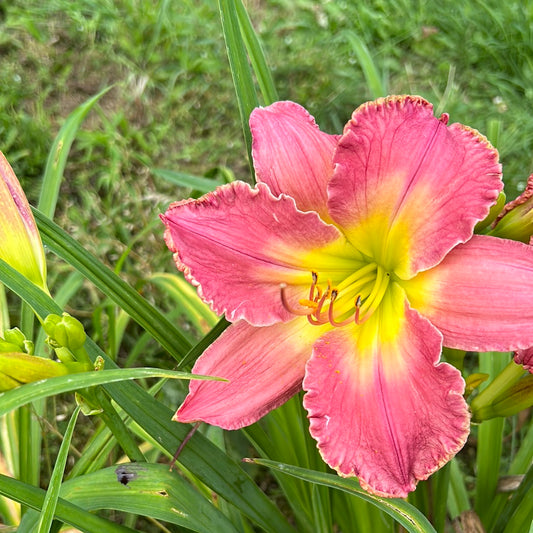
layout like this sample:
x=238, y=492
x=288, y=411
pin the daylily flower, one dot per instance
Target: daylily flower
x=20, y=242
x=343, y=272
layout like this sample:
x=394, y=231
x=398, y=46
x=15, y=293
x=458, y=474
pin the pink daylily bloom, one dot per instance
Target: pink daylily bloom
x=344, y=271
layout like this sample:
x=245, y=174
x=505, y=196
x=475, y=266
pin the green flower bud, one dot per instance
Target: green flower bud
x=15, y=341
x=20, y=368
x=509, y=392
x=516, y=220
x=495, y=210
x=65, y=331
x=516, y=398
x=14, y=336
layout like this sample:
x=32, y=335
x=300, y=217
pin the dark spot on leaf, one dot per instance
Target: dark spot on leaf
x=125, y=474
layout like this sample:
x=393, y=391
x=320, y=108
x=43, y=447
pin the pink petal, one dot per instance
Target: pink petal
x=407, y=188
x=265, y=367
x=389, y=413
x=238, y=244
x=292, y=155
x=525, y=358
x=480, y=297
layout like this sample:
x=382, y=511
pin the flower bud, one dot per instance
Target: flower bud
x=516, y=219
x=509, y=392
x=15, y=341
x=18, y=368
x=518, y=397
x=65, y=331
x=20, y=242
x=495, y=210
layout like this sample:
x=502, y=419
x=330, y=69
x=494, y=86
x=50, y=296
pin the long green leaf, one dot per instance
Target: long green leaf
x=373, y=79
x=47, y=387
x=197, y=183
x=150, y=490
x=404, y=513
x=256, y=54
x=186, y=300
x=517, y=514
x=150, y=318
x=200, y=457
x=65, y=511
x=57, y=158
x=147, y=489
x=52, y=494
x=490, y=438
x=240, y=69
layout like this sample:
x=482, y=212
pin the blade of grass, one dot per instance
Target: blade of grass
x=65, y=511
x=489, y=448
x=95, y=453
x=373, y=79
x=48, y=387
x=517, y=514
x=458, y=500
x=150, y=318
x=404, y=513
x=57, y=158
x=524, y=456
x=256, y=55
x=201, y=346
x=240, y=69
x=520, y=465
x=185, y=297
x=196, y=183
x=4, y=310
x=120, y=431
x=52, y=494
x=30, y=434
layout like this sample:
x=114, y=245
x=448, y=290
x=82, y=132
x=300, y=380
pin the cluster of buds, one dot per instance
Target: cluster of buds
x=18, y=365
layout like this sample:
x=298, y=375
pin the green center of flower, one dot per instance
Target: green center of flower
x=353, y=300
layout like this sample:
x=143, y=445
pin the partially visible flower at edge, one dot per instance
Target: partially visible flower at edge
x=20, y=242
x=344, y=271
x=525, y=358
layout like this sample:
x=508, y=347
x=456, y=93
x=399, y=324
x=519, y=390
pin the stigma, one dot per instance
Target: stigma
x=353, y=301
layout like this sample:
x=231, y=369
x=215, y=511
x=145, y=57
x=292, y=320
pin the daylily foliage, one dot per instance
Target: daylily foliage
x=344, y=271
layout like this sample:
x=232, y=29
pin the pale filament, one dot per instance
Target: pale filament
x=375, y=297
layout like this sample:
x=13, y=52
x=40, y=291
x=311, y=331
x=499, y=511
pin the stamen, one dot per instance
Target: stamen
x=287, y=305
x=314, y=275
x=370, y=283
x=332, y=321
x=357, y=319
x=318, y=320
